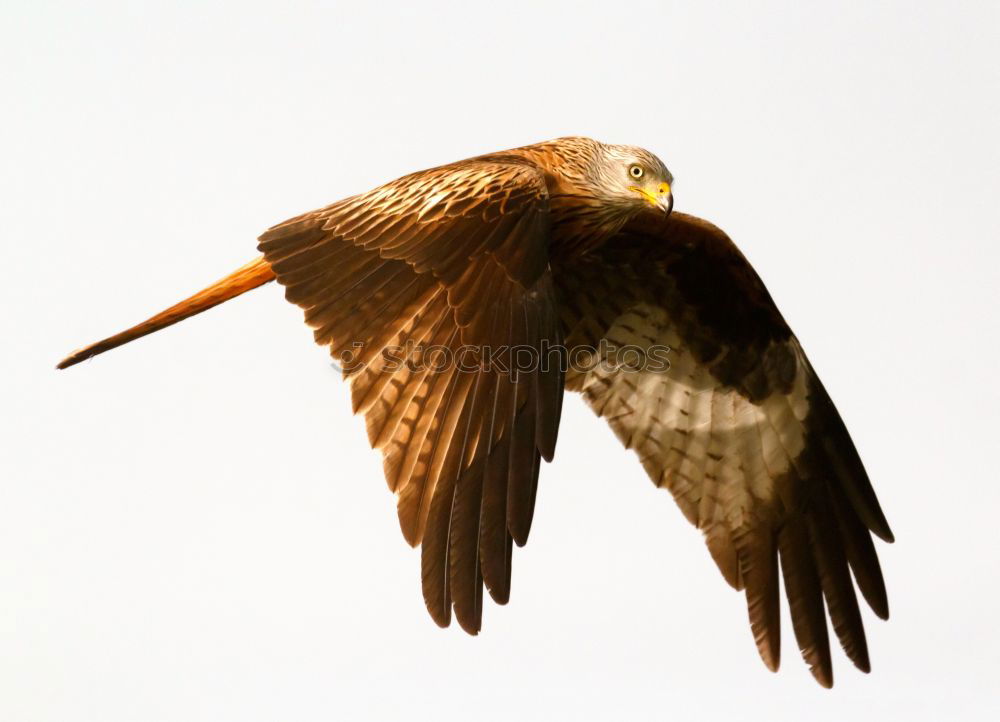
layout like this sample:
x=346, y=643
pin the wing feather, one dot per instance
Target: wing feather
x=736, y=425
x=399, y=283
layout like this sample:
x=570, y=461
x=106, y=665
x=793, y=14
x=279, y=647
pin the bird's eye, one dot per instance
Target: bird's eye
x=635, y=171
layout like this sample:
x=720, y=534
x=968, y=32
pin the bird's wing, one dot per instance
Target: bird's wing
x=421, y=288
x=731, y=419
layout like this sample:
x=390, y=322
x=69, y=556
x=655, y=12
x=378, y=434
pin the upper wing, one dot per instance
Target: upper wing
x=394, y=282
x=733, y=420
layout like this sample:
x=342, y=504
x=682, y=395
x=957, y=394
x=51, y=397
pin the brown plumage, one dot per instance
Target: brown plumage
x=432, y=291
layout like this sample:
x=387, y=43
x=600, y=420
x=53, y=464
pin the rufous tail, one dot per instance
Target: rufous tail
x=243, y=279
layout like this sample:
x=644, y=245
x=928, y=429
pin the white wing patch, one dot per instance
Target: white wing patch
x=716, y=451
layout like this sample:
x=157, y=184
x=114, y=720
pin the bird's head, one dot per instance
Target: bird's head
x=596, y=188
x=636, y=178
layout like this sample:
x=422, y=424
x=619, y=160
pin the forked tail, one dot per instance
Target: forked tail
x=243, y=279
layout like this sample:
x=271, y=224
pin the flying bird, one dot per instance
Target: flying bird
x=463, y=300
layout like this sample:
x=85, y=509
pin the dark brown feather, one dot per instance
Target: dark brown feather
x=495, y=541
x=805, y=599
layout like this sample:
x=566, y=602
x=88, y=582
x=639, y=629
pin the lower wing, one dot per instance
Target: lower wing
x=675, y=341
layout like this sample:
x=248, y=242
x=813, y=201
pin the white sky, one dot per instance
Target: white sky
x=193, y=528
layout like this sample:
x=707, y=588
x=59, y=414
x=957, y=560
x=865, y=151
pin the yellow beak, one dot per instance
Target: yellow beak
x=662, y=199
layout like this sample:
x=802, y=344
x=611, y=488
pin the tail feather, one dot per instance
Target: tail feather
x=243, y=279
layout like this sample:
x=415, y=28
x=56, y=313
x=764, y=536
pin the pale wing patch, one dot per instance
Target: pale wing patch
x=715, y=450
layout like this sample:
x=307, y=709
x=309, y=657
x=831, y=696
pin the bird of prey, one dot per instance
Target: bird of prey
x=464, y=299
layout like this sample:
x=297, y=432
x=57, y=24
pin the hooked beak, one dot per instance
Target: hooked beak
x=662, y=199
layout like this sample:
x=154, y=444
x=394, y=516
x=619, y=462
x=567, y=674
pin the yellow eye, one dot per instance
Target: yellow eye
x=635, y=171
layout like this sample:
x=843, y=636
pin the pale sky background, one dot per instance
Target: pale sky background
x=193, y=527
